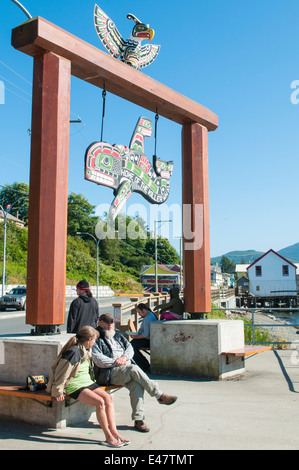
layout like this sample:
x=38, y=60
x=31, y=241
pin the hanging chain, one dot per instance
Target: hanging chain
x=156, y=128
x=103, y=113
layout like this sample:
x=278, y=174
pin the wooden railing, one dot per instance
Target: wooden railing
x=122, y=312
x=222, y=293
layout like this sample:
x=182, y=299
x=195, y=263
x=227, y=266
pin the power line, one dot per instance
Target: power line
x=19, y=96
x=15, y=72
x=11, y=83
x=78, y=120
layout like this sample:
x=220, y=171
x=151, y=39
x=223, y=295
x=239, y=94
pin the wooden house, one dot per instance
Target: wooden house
x=272, y=275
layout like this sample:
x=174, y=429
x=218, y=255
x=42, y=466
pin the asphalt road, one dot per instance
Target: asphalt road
x=13, y=322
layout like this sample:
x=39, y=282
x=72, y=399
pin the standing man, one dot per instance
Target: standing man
x=84, y=311
x=112, y=355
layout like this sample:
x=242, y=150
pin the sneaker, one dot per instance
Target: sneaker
x=141, y=426
x=167, y=399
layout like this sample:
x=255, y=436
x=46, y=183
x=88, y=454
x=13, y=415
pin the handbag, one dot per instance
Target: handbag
x=36, y=382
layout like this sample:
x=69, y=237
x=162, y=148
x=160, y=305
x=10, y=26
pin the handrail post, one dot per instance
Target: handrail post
x=117, y=312
x=252, y=317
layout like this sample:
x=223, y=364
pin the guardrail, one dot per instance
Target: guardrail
x=120, y=309
x=253, y=325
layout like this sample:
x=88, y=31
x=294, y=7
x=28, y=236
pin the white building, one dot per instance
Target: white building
x=241, y=270
x=216, y=276
x=272, y=275
x=12, y=218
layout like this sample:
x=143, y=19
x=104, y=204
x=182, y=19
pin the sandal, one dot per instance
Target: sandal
x=106, y=443
x=124, y=442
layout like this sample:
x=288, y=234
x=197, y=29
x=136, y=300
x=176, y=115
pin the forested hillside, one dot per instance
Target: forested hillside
x=120, y=260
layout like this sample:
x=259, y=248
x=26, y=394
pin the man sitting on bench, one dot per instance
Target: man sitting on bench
x=112, y=355
x=142, y=339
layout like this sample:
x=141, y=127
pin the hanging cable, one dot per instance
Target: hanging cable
x=156, y=128
x=103, y=113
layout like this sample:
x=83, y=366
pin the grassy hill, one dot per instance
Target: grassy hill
x=80, y=263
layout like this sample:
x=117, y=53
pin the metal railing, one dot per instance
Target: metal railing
x=123, y=311
x=254, y=325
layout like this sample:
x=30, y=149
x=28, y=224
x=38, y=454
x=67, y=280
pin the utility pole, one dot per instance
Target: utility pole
x=97, y=243
x=156, y=250
x=4, y=249
x=5, y=213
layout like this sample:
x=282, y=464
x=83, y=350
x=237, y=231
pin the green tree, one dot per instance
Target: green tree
x=16, y=253
x=81, y=215
x=227, y=266
x=166, y=253
x=16, y=195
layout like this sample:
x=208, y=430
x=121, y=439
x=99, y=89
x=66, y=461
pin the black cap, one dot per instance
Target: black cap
x=83, y=284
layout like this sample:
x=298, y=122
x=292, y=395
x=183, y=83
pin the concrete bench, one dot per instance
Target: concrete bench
x=194, y=348
x=53, y=414
x=25, y=355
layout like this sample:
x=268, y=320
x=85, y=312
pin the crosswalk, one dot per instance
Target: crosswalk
x=7, y=316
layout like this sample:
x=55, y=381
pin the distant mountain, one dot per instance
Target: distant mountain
x=248, y=255
x=291, y=253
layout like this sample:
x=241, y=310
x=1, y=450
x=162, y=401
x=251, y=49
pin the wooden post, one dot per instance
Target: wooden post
x=196, y=236
x=48, y=191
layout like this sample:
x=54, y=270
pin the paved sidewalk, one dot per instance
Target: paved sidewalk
x=258, y=411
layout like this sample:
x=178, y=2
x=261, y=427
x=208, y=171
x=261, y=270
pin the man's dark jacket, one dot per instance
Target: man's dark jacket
x=103, y=375
x=84, y=311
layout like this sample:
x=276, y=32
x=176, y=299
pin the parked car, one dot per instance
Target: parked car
x=15, y=298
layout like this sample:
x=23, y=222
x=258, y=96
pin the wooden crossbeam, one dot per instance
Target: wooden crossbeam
x=92, y=65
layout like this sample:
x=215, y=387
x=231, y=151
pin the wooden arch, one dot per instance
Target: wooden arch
x=58, y=54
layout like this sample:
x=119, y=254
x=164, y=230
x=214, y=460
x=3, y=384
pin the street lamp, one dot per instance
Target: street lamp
x=4, y=248
x=156, y=250
x=16, y=2
x=97, y=242
x=5, y=214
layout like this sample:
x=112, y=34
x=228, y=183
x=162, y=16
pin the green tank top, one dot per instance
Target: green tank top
x=82, y=379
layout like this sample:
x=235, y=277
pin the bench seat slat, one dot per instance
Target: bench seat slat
x=247, y=350
x=7, y=388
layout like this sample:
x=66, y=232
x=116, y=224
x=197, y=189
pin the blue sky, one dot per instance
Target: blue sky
x=239, y=59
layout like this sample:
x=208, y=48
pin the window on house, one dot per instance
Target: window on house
x=285, y=270
x=258, y=271
x=257, y=288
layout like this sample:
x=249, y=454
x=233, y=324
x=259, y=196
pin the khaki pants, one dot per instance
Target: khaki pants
x=136, y=381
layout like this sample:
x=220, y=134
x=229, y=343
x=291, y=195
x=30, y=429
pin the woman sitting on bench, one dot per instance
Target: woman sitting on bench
x=174, y=309
x=72, y=375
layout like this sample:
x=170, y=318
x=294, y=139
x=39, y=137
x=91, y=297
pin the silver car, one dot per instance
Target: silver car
x=15, y=298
